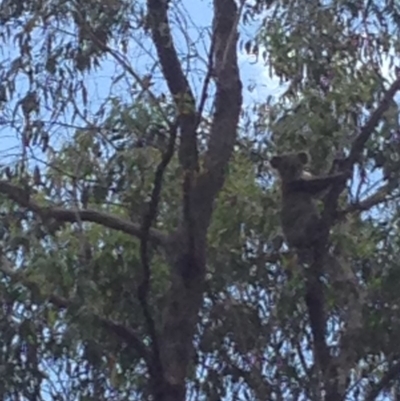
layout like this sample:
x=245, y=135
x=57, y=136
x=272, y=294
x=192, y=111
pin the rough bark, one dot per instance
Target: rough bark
x=187, y=247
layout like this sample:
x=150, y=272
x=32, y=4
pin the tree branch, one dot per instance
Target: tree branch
x=176, y=81
x=228, y=103
x=373, y=121
x=185, y=103
x=391, y=374
x=330, y=204
x=123, y=332
x=207, y=80
x=315, y=302
x=22, y=198
x=228, y=98
x=380, y=196
x=124, y=63
x=148, y=219
x=187, y=253
x=315, y=296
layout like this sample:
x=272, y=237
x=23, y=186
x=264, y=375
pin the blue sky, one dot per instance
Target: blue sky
x=257, y=84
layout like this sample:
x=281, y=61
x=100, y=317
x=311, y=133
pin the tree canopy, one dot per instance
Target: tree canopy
x=141, y=251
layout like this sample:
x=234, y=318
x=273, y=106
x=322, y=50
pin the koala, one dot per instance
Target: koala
x=299, y=216
x=303, y=230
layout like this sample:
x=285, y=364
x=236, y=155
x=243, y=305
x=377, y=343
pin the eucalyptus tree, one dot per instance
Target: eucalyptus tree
x=140, y=238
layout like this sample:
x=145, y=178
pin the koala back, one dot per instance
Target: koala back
x=299, y=219
x=299, y=215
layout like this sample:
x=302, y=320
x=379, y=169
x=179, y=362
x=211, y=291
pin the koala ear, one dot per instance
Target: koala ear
x=276, y=161
x=303, y=157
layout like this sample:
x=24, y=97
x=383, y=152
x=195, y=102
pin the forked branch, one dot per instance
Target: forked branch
x=201, y=186
x=330, y=204
x=22, y=198
x=329, y=215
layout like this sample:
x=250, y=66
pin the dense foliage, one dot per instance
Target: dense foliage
x=141, y=254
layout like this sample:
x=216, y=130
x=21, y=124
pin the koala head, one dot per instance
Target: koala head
x=290, y=165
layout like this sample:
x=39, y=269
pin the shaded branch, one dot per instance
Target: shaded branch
x=185, y=103
x=315, y=302
x=207, y=80
x=187, y=253
x=176, y=80
x=228, y=97
x=391, y=374
x=369, y=127
x=380, y=196
x=123, y=332
x=22, y=198
x=223, y=131
x=314, y=294
x=330, y=204
x=148, y=220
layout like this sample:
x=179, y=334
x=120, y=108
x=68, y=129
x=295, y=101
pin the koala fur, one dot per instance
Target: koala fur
x=299, y=216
